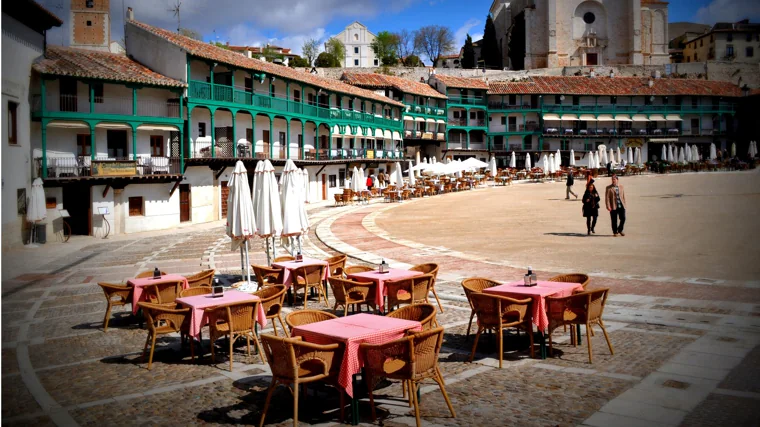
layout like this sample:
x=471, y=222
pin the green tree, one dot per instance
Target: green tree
x=336, y=48
x=468, y=54
x=384, y=46
x=220, y=44
x=326, y=60
x=310, y=50
x=489, y=47
x=298, y=62
x=270, y=54
x=433, y=41
x=413, y=61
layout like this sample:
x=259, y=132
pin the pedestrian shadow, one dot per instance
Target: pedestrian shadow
x=574, y=235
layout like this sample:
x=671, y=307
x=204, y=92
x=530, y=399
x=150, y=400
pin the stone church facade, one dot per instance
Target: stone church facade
x=557, y=33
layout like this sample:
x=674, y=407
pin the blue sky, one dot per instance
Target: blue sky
x=289, y=22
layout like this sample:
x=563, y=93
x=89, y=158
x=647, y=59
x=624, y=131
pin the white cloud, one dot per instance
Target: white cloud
x=461, y=33
x=728, y=11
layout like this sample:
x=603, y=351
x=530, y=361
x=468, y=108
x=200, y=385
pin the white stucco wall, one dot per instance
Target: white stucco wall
x=156, y=53
x=201, y=180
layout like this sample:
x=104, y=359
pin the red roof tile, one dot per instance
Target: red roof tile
x=91, y=64
x=461, y=82
x=205, y=50
x=614, y=86
x=377, y=81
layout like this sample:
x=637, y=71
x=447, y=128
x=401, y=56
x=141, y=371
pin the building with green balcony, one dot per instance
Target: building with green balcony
x=467, y=115
x=424, y=109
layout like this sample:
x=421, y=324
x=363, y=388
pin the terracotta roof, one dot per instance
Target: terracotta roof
x=207, y=51
x=91, y=64
x=454, y=55
x=614, y=86
x=377, y=81
x=461, y=82
x=55, y=20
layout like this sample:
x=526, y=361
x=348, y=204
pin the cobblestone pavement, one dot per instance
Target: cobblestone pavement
x=685, y=354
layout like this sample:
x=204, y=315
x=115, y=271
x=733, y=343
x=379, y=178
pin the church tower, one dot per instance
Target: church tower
x=90, y=26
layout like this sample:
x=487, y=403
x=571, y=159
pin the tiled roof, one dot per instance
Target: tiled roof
x=207, y=51
x=614, y=86
x=461, y=82
x=377, y=81
x=54, y=19
x=91, y=64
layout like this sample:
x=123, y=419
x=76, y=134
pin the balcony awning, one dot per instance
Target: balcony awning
x=663, y=140
x=605, y=118
x=657, y=118
x=551, y=117
x=396, y=136
x=409, y=118
x=430, y=121
x=419, y=119
x=623, y=118
x=673, y=117
x=387, y=134
x=588, y=117
x=157, y=128
x=378, y=133
x=640, y=118
x=569, y=117
x=442, y=122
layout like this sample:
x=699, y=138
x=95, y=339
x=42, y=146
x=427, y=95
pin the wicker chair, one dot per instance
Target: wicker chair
x=339, y=200
x=204, y=278
x=585, y=308
x=164, y=292
x=411, y=290
x=192, y=292
x=148, y=273
x=267, y=276
x=347, y=292
x=353, y=269
x=295, y=362
x=307, y=277
x=115, y=295
x=430, y=268
x=304, y=317
x=271, y=299
x=423, y=313
x=336, y=262
x=499, y=313
x=583, y=279
x=162, y=320
x=411, y=359
x=235, y=320
x=472, y=286
x=284, y=258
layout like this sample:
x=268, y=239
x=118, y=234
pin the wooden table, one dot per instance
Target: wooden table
x=199, y=303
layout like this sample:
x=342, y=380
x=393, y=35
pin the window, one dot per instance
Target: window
x=83, y=145
x=729, y=50
x=473, y=115
x=730, y=37
x=341, y=176
x=332, y=181
x=50, y=203
x=350, y=104
x=356, y=37
x=135, y=206
x=282, y=139
x=528, y=143
x=356, y=62
x=12, y=123
x=356, y=50
x=749, y=37
x=557, y=99
x=300, y=140
x=503, y=120
x=265, y=136
x=97, y=91
x=696, y=57
x=21, y=201
x=157, y=145
x=297, y=95
x=248, y=84
x=455, y=114
x=589, y=18
x=750, y=52
x=89, y=23
x=376, y=63
x=90, y=4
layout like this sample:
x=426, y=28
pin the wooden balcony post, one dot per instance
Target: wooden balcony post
x=43, y=130
x=213, y=133
x=287, y=139
x=181, y=152
x=316, y=141
x=329, y=143
x=271, y=136
x=234, y=135
x=253, y=134
x=43, y=96
x=303, y=140
x=134, y=141
x=189, y=128
x=92, y=141
x=134, y=101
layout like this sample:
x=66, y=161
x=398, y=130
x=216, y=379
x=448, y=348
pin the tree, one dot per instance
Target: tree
x=220, y=44
x=468, y=54
x=336, y=48
x=384, y=47
x=270, y=54
x=326, y=60
x=434, y=40
x=187, y=32
x=310, y=50
x=298, y=62
x=489, y=47
x=405, y=47
x=413, y=61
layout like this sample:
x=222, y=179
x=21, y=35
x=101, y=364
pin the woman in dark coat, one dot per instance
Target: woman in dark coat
x=591, y=206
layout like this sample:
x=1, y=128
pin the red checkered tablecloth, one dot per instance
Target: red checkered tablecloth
x=138, y=285
x=539, y=293
x=289, y=266
x=380, y=278
x=353, y=331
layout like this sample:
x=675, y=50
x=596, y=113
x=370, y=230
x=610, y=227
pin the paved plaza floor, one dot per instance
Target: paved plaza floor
x=683, y=314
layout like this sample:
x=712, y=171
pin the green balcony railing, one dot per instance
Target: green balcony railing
x=425, y=109
x=468, y=100
x=640, y=109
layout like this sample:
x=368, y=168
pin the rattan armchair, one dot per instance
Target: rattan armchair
x=499, y=313
x=164, y=292
x=267, y=276
x=472, y=286
x=307, y=277
x=304, y=317
x=580, y=278
x=423, y=313
x=353, y=269
x=432, y=269
x=336, y=262
x=284, y=258
x=148, y=273
x=294, y=362
x=411, y=290
x=192, y=292
x=204, y=278
x=585, y=308
x=347, y=292
x=116, y=295
x=411, y=359
x=235, y=320
x=271, y=300
x=162, y=320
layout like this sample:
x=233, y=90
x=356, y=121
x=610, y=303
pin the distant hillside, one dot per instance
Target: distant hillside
x=677, y=29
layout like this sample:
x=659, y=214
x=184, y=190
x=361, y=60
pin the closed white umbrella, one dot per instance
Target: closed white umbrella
x=694, y=153
x=611, y=157
x=619, y=158
x=664, y=155
x=433, y=160
x=673, y=154
x=590, y=160
x=294, y=220
x=733, y=149
x=399, y=176
x=527, y=161
x=629, y=151
x=266, y=205
x=681, y=157
x=545, y=164
x=552, y=164
x=362, y=179
x=412, y=181
x=241, y=221
x=492, y=166
x=596, y=160
x=572, y=157
x=306, y=186
x=558, y=161
x=36, y=209
x=713, y=152
x=355, y=179
x=749, y=150
x=513, y=161
x=687, y=152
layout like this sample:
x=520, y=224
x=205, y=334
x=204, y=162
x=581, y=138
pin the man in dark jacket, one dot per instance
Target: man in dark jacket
x=570, y=182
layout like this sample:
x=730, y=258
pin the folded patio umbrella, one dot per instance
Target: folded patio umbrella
x=412, y=181
x=36, y=209
x=629, y=151
x=596, y=160
x=513, y=161
x=733, y=149
x=558, y=161
x=241, y=221
x=664, y=155
x=294, y=219
x=492, y=166
x=572, y=157
x=266, y=205
x=527, y=161
x=687, y=152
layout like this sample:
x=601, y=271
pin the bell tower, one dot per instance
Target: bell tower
x=90, y=26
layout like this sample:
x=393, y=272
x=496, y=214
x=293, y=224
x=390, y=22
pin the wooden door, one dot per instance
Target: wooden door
x=324, y=186
x=184, y=203
x=225, y=194
x=591, y=59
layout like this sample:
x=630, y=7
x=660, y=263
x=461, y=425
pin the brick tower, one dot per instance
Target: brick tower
x=90, y=24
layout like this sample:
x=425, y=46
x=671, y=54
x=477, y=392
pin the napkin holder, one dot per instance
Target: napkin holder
x=299, y=257
x=383, y=268
x=217, y=291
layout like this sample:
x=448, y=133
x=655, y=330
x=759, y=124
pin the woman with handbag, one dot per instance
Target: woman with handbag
x=591, y=206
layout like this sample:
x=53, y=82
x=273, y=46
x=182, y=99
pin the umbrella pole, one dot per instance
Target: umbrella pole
x=274, y=248
x=242, y=262
x=269, y=256
x=247, y=263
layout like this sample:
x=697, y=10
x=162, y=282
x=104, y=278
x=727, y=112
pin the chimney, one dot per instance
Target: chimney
x=130, y=14
x=592, y=74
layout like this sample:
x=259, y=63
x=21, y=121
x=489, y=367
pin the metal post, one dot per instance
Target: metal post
x=134, y=101
x=234, y=135
x=213, y=133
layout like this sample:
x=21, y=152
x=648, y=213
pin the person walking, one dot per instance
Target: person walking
x=370, y=182
x=381, y=178
x=591, y=206
x=570, y=182
x=614, y=198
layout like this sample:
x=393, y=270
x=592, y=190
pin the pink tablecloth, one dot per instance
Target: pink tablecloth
x=199, y=303
x=539, y=293
x=380, y=279
x=289, y=266
x=138, y=285
x=353, y=331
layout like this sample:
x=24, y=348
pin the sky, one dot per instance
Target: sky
x=288, y=23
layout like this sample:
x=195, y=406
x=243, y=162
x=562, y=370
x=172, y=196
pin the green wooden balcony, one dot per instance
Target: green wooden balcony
x=641, y=109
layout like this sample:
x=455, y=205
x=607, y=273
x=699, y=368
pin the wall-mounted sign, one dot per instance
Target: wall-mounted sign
x=634, y=142
x=114, y=168
x=103, y=210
